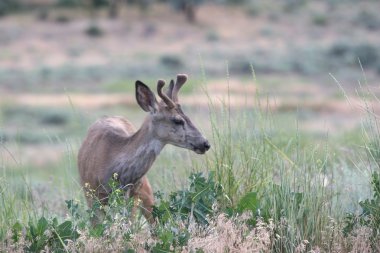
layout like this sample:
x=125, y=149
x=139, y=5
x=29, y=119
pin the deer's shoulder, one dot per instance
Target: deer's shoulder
x=113, y=126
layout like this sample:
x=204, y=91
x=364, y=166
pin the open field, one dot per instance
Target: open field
x=291, y=113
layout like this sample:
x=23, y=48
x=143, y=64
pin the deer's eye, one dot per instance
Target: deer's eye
x=178, y=121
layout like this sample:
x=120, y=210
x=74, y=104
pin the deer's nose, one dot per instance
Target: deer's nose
x=206, y=145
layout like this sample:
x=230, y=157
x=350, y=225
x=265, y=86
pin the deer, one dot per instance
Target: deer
x=114, y=147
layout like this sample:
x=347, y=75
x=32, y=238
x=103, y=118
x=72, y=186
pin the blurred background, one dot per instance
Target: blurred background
x=65, y=63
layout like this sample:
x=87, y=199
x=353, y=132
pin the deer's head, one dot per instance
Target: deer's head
x=166, y=120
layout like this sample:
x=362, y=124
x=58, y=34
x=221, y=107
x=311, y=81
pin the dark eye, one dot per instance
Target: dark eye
x=178, y=121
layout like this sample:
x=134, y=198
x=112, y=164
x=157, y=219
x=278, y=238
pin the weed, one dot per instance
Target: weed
x=196, y=203
x=370, y=215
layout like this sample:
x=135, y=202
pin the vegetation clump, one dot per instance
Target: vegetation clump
x=94, y=31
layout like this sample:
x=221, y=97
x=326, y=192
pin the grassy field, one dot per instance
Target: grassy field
x=293, y=124
x=273, y=186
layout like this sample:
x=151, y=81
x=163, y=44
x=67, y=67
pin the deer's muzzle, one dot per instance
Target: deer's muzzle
x=202, y=147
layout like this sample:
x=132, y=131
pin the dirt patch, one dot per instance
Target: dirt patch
x=83, y=101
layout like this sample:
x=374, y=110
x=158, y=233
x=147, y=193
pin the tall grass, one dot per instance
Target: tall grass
x=290, y=182
x=252, y=153
x=299, y=182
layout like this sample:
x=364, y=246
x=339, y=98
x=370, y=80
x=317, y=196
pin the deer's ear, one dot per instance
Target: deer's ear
x=145, y=98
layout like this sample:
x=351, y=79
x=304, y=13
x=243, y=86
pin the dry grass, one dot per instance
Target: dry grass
x=232, y=235
x=223, y=234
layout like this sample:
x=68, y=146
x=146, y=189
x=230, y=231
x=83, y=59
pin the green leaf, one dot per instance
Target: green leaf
x=36, y=235
x=183, y=238
x=97, y=230
x=55, y=222
x=166, y=237
x=66, y=231
x=42, y=225
x=16, y=231
x=248, y=202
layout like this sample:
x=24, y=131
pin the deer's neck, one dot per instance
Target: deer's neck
x=137, y=156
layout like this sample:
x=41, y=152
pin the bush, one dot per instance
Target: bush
x=8, y=6
x=236, y=2
x=43, y=14
x=290, y=6
x=240, y=67
x=339, y=49
x=367, y=54
x=62, y=19
x=94, y=31
x=320, y=20
x=100, y=3
x=370, y=215
x=253, y=10
x=171, y=61
x=368, y=20
x=69, y=3
x=212, y=36
x=196, y=202
x=55, y=117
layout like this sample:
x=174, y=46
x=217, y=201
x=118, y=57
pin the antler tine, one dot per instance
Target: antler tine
x=166, y=99
x=169, y=92
x=181, y=79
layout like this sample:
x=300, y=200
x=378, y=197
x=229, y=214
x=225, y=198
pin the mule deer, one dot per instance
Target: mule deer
x=112, y=145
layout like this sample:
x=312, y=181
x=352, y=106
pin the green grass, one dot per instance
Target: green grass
x=300, y=185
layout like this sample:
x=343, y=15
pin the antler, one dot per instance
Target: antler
x=181, y=79
x=164, y=97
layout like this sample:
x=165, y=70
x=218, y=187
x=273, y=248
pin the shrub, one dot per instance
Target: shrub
x=212, y=36
x=171, y=61
x=62, y=19
x=240, y=67
x=43, y=13
x=253, y=10
x=339, y=49
x=236, y=2
x=367, y=54
x=196, y=203
x=370, y=215
x=94, y=31
x=69, y=3
x=100, y=3
x=368, y=20
x=8, y=6
x=290, y=6
x=55, y=117
x=320, y=20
